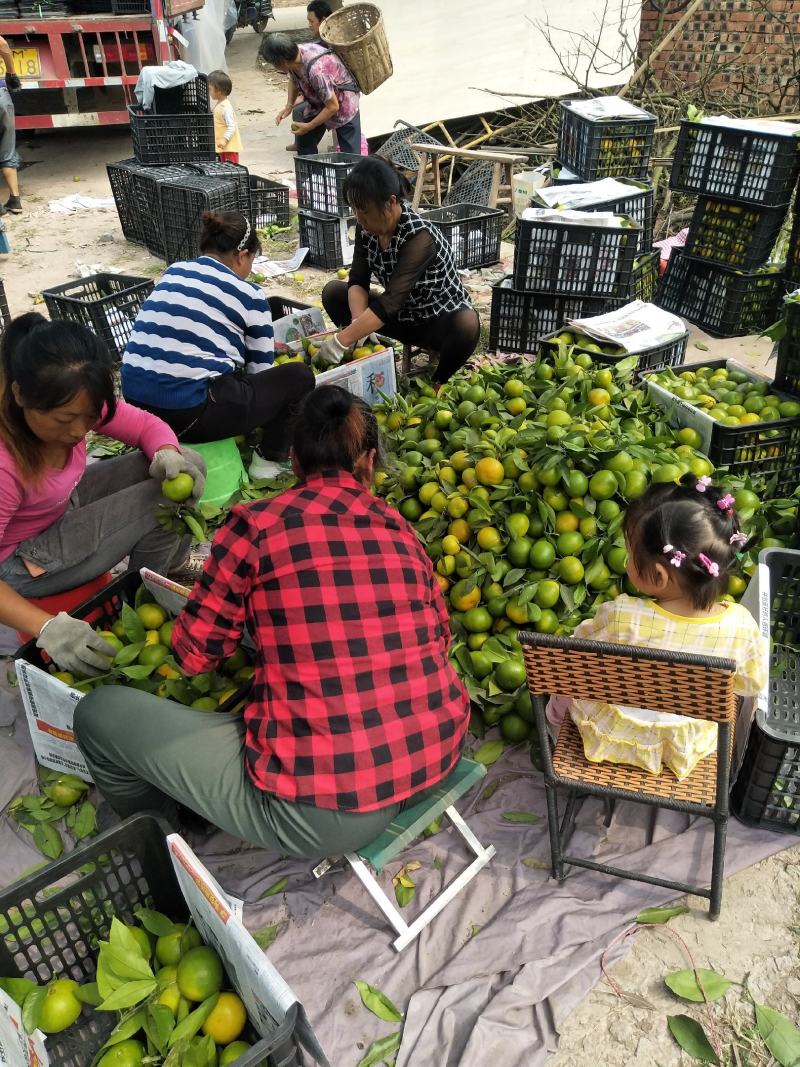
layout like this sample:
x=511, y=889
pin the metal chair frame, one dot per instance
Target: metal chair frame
x=679, y=683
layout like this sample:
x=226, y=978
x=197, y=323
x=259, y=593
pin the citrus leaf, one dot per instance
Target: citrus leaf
x=780, y=1036
x=155, y=923
x=685, y=984
x=381, y=1050
x=88, y=993
x=18, y=988
x=48, y=840
x=691, y=1036
x=658, y=916
x=129, y=995
x=404, y=894
x=159, y=1022
x=701, y=345
x=268, y=935
x=488, y=753
x=132, y=625
x=124, y=964
x=32, y=1009
x=138, y=671
x=85, y=821
x=125, y=1028
x=121, y=937
x=537, y=865
x=277, y=887
x=193, y=1021
x=128, y=654
x=520, y=816
x=378, y=1003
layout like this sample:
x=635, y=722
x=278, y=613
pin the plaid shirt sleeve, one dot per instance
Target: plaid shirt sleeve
x=210, y=627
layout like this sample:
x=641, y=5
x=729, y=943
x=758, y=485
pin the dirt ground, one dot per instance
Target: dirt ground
x=755, y=936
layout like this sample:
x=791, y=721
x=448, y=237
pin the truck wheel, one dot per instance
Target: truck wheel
x=260, y=24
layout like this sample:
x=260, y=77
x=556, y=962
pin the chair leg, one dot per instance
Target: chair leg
x=609, y=804
x=367, y=879
x=718, y=866
x=556, y=855
x=406, y=359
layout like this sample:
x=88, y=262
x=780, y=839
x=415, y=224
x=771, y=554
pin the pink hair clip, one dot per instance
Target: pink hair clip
x=703, y=483
x=725, y=503
x=738, y=538
x=676, y=556
x=709, y=564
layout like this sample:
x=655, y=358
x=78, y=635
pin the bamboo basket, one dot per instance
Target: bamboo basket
x=357, y=34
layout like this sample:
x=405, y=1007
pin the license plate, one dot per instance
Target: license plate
x=26, y=62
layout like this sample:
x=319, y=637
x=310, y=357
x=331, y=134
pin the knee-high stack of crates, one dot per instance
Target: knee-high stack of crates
x=325, y=219
x=574, y=268
x=174, y=176
x=743, y=172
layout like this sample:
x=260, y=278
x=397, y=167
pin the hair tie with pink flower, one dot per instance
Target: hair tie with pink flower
x=738, y=538
x=709, y=564
x=725, y=503
x=703, y=483
x=676, y=556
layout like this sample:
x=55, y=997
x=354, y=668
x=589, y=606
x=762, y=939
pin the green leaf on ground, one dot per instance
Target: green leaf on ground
x=378, y=1003
x=268, y=935
x=691, y=1036
x=277, y=887
x=780, y=1035
x=690, y=984
x=380, y=1051
x=661, y=915
x=48, y=840
x=520, y=816
x=489, y=752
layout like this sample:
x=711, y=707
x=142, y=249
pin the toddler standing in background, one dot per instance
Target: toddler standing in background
x=226, y=128
x=682, y=545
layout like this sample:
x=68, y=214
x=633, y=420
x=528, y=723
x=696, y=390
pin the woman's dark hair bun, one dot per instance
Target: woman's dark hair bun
x=333, y=429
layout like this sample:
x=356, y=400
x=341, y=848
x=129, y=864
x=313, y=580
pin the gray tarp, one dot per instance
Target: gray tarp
x=495, y=995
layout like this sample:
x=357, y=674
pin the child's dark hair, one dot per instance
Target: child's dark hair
x=49, y=363
x=224, y=232
x=221, y=81
x=372, y=182
x=692, y=527
x=333, y=429
x=320, y=8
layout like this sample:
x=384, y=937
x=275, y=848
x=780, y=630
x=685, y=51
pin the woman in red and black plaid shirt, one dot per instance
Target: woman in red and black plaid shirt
x=355, y=707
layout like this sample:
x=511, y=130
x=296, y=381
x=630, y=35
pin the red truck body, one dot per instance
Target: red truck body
x=80, y=70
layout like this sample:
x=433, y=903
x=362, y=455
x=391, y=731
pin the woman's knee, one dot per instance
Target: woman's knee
x=334, y=300
x=91, y=714
x=467, y=324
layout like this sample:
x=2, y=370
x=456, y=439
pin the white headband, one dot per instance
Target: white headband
x=242, y=244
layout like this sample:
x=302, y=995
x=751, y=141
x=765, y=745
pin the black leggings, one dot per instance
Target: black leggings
x=240, y=403
x=453, y=334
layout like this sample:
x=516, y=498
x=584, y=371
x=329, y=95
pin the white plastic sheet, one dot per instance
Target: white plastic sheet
x=205, y=37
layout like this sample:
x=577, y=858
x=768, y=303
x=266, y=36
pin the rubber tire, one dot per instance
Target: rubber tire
x=260, y=24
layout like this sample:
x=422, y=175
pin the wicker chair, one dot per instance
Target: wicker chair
x=684, y=684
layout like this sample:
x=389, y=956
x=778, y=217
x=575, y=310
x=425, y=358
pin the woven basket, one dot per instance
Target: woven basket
x=356, y=33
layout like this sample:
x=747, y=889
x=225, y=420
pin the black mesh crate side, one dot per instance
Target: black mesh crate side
x=472, y=231
x=322, y=235
x=574, y=260
x=787, y=371
x=269, y=202
x=733, y=235
x=724, y=301
x=182, y=207
x=191, y=98
x=649, y=359
x=168, y=139
x=638, y=206
x=644, y=277
x=234, y=172
x=519, y=319
x=120, y=178
x=319, y=180
x=605, y=148
x=106, y=303
x=146, y=195
x=5, y=314
x=724, y=163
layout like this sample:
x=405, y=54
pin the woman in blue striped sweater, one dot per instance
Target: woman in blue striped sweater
x=201, y=352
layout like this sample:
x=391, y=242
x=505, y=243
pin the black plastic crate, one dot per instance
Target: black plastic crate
x=137, y=196
x=724, y=301
x=320, y=179
x=107, y=303
x=520, y=319
x=652, y=359
x=325, y=236
x=793, y=253
x=5, y=314
x=182, y=205
x=767, y=790
x=233, y=172
x=744, y=165
x=605, y=148
x=733, y=235
x=638, y=206
x=168, y=139
x=283, y=305
x=269, y=202
x=574, y=260
x=766, y=450
x=644, y=277
x=787, y=371
x=191, y=98
x=54, y=918
x=120, y=177
x=472, y=231
x=130, y=7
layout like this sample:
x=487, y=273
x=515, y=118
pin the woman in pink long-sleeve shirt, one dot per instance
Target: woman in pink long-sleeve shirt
x=63, y=523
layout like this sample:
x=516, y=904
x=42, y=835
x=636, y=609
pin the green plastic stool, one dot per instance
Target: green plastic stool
x=225, y=470
x=404, y=829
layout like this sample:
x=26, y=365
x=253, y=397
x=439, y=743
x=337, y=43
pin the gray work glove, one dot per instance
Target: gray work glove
x=370, y=339
x=331, y=351
x=168, y=463
x=74, y=645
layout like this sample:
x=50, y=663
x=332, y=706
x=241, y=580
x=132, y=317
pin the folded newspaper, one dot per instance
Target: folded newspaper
x=782, y=129
x=579, y=218
x=586, y=193
x=607, y=107
x=635, y=327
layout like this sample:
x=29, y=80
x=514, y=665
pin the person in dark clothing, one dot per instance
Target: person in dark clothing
x=424, y=302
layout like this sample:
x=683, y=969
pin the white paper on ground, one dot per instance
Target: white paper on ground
x=69, y=205
x=635, y=327
x=273, y=268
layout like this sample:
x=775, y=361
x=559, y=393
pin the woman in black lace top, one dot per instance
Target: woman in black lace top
x=423, y=301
